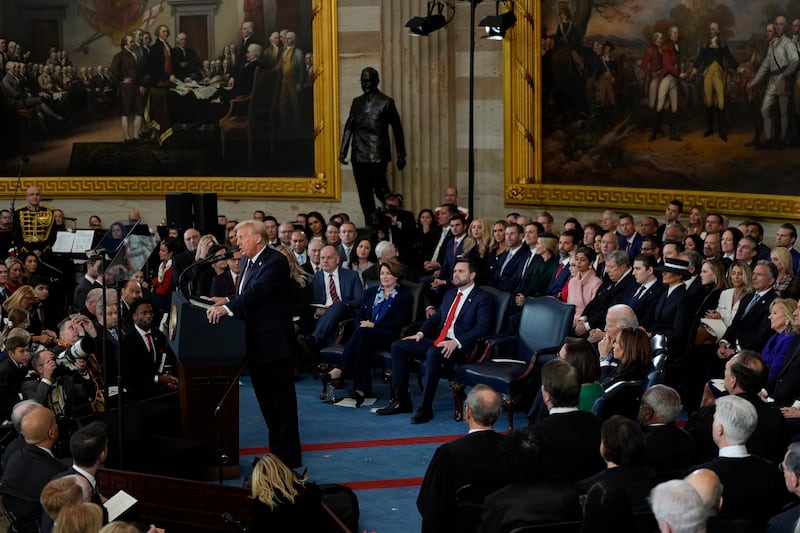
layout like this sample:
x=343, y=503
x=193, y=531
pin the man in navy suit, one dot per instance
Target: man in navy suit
x=333, y=304
x=568, y=242
x=629, y=238
x=750, y=328
x=617, y=288
x=453, y=248
x=512, y=261
x=224, y=284
x=649, y=290
x=465, y=316
x=262, y=301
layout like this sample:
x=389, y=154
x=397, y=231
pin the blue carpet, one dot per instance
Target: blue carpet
x=386, y=477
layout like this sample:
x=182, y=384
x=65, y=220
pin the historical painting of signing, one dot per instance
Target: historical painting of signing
x=166, y=89
x=693, y=95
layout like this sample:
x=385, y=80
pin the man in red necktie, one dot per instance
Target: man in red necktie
x=446, y=338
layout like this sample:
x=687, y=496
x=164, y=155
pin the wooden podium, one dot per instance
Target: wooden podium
x=209, y=357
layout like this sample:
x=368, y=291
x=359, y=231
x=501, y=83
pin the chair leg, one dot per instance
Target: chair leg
x=458, y=400
x=510, y=404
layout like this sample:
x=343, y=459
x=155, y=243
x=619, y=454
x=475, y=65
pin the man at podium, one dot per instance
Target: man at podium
x=262, y=301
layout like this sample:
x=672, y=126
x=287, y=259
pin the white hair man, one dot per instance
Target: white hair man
x=678, y=508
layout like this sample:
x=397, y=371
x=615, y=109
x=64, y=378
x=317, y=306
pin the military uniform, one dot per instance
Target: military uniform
x=33, y=229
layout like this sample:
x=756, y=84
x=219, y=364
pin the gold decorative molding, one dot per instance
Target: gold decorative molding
x=324, y=185
x=763, y=206
x=524, y=184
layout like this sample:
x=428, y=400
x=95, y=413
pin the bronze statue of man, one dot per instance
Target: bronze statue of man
x=367, y=127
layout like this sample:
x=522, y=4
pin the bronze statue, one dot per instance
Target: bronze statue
x=371, y=114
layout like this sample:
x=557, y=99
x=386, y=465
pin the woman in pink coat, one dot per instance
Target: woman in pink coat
x=584, y=282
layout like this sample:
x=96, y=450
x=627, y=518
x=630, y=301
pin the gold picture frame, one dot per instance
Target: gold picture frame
x=525, y=183
x=324, y=185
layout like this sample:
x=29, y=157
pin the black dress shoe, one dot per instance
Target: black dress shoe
x=357, y=395
x=395, y=407
x=329, y=385
x=422, y=416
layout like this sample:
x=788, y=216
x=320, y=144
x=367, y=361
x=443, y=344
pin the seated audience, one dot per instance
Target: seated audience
x=781, y=312
x=633, y=353
x=789, y=520
x=668, y=448
x=708, y=486
x=677, y=507
x=282, y=500
x=648, y=291
x=83, y=517
x=384, y=311
x=584, y=283
x=574, y=435
x=622, y=445
x=60, y=492
x=473, y=459
x=534, y=495
x=749, y=481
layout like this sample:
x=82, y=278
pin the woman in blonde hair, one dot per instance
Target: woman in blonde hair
x=84, y=517
x=118, y=526
x=282, y=501
x=25, y=299
x=476, y=247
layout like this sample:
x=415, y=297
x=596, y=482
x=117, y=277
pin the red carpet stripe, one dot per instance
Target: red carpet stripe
x=360, y=444
x=384, y=483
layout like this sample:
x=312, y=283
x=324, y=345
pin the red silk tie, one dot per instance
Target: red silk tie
x=150, y=347
x=451, y=315
x=332, y=289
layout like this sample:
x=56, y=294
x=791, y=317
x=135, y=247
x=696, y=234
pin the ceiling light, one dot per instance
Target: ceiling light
x=496, y=25
x=435, y=20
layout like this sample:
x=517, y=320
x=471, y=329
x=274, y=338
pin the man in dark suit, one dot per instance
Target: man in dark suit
x=750, y=328
x=12, y=373
x=336, y=293
x=473, y=459
x=629, y=239
x=617, y=288
x=248, y=38
x=466, y=315
x=568, y=242
x=187, y=63
x=348, y=236
x=648, y=292
x=29, y=470
x=750, y=481
x=788, y=520
x=512, y=261
x=90, y=281
x=262, y=301
x=574, y=435
x=668, y=448
x=66, y=392
x=131, y=291
x=225, y=283
x=451, y=249
x=745, y=376
x=89, y=448
x=144, y=356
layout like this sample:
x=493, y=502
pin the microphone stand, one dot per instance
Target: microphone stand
x=219, y=414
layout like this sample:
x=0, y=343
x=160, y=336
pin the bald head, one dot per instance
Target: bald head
x=709, y=487
x=39, y=427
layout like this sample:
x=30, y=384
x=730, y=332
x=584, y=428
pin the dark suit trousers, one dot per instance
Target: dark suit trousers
x=370, y=177
x=404, y=351
x=328, y=324
x=357, y=355
x=273, y=383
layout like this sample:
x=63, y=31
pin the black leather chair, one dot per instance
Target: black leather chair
x=511, y=365
x=655, y=375
x=621, y=398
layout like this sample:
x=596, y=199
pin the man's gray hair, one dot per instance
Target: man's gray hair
x=384, y=246
x=484, y=412
x=793, y=458
x=737, y=416
x=618, y=257
x=625, y=315
x=94, y=296
x=257, y=50
x=665, y=402
x=111, y=301
x=678, y=504
x=19, y=411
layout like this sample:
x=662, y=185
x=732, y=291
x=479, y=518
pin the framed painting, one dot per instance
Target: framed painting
x=276, y=139
x=583, y=127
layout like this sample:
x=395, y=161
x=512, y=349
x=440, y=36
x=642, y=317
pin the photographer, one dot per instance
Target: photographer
x=75, y=350
x=66, y=391
x=394, y=224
